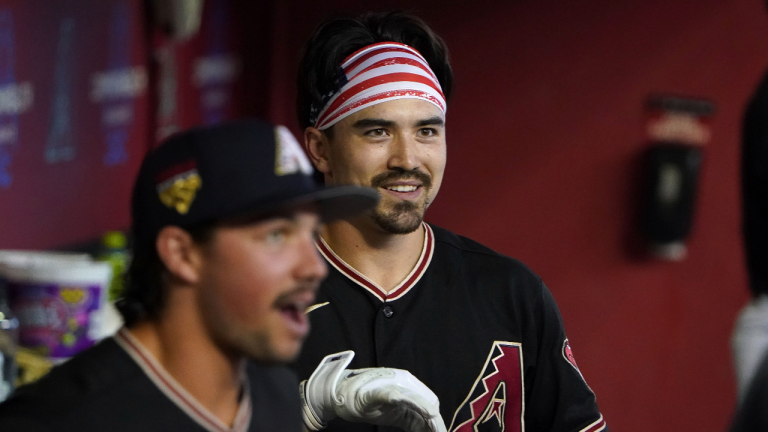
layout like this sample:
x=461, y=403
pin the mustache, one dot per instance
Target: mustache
x=300, y=290
x=390, y=176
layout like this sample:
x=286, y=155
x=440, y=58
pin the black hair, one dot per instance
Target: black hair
x=145, y=292
x=336, y=39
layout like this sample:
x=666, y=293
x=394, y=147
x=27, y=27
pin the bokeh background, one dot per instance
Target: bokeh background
x=545, y=135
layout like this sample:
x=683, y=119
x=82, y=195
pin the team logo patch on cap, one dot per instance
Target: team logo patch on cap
x=178, y=186
x=289, y=157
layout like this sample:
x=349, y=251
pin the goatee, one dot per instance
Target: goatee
x=405, y=216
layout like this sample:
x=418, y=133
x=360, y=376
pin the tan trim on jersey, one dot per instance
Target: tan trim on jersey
x=315, y=306
x=178, y=395
x=597, y=426
x=403, y=287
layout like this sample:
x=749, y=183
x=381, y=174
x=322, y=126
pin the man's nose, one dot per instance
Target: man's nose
x=404, y=153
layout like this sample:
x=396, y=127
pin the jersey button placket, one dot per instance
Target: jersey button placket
x=384, y=328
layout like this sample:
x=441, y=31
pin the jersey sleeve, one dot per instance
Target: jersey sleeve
x=560, y=399
x=20, y=424
x=751, y=414
x=17, y=417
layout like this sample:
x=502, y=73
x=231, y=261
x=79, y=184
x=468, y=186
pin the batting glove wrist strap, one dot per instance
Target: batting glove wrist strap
x=318, y=393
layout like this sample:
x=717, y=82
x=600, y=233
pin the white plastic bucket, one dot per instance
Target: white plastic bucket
x=28, y=257
x=57, y=300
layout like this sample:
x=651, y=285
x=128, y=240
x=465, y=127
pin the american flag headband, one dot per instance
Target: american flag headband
x=379, y=73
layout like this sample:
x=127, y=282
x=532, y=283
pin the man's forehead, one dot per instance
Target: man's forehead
x=401, y=112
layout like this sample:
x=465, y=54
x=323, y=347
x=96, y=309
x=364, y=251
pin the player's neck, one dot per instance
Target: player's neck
x=178, y=342
x=383, y=257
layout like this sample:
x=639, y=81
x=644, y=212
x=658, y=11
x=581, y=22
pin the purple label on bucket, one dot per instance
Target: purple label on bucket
x=54, y=318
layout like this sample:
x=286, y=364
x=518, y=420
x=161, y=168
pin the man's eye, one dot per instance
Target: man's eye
x=276, y=236
x=427, y=132
x=376, y=132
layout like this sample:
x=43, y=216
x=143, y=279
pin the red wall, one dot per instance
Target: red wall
x=544, y=133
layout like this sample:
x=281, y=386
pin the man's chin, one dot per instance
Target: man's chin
x=399, y=224
x=277, y=355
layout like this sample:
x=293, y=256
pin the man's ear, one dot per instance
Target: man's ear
x=316, y=145
x=178, y=251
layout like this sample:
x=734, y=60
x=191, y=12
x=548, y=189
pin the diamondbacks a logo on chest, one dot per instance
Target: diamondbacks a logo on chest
x=495, y=403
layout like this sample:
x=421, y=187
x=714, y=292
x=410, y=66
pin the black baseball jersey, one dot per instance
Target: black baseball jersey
x=754, y=187
x=115, y=387
x=751, y=415
x=478, y=328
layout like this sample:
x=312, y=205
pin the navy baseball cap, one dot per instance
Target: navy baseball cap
x=231, y=169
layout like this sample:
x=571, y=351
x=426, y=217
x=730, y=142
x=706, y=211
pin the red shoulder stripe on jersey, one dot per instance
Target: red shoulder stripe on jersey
x=596, y=426
x=409, y=282
x=178, y=395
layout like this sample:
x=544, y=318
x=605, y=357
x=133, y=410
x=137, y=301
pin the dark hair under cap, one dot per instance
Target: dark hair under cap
x=336, y=39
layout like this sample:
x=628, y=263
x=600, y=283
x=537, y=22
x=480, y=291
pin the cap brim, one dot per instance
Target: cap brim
x=339, y=202
x=335, y=202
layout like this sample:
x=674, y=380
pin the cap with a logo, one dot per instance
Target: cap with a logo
x=231, y=169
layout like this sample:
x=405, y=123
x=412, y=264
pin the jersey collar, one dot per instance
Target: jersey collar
x=401, y=289
x=178, y=395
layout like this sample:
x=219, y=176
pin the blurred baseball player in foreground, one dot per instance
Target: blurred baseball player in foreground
x=224, y=266
x=477, y=328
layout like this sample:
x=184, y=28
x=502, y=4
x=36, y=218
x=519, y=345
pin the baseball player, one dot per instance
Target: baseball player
x=479, y=329
x=750, y=335
x=224, y=220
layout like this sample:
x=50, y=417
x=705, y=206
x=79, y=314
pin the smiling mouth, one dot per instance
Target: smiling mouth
x=402, y=188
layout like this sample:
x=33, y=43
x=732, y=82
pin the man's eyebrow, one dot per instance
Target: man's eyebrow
x=372, y=122
x=432, y=121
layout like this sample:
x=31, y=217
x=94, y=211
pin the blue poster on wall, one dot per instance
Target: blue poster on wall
x=15, y=98
x=217, y=70
x=117, y=87
x=60, y=145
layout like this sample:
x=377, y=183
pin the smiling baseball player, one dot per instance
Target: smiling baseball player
x=477, y=328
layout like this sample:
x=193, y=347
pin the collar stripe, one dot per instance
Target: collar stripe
x=348, y=271
x=177, y=394
x=401, y=289
x=419, y=269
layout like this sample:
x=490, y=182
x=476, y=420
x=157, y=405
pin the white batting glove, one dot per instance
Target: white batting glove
x=380, y=396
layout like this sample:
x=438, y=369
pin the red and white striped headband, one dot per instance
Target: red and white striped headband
x=379, y=73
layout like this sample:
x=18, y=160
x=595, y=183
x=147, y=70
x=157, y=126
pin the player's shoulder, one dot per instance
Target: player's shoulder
x=70, y=387
x=276, y=403
x=272, y=379
x=476, y=255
